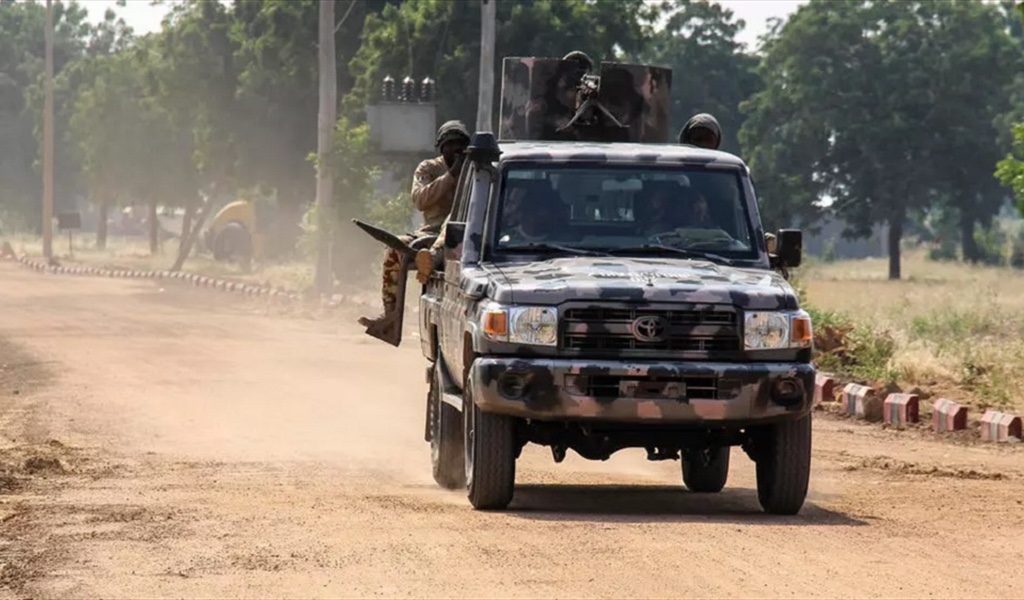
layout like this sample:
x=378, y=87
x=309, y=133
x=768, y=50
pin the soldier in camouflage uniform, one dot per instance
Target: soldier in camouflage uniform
x=433, y=191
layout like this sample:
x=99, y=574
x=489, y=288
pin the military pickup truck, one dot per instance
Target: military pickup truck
x=601, y=295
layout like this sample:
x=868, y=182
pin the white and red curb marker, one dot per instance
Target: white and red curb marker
x=193, y=278
x=948, y=416
x=900, y=410
x=999, y=427
x=824, y=389
x=860, y=401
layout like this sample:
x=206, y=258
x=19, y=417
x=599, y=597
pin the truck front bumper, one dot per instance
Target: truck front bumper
x=696, y=393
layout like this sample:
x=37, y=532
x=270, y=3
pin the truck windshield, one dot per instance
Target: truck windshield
x=620, y=210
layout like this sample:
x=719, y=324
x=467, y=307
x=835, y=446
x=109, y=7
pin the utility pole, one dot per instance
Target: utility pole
x=48, y=139
x=485, y=98
x=325, y=139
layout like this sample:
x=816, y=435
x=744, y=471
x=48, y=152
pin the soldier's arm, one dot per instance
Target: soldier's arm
x=439, y=242
x=429, y=190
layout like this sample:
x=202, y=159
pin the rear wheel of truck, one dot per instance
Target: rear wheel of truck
x=784, y=466
x=490, y=456
x=707, y=478
x=446, y=452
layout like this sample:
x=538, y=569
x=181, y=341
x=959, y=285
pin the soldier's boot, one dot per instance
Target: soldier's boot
x=382, y=323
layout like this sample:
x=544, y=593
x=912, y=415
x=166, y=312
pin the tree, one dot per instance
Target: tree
x=277, y=91
x=193, y=79
x=976, y=60
x=710, y=71
x=1010, y=170
x=22, y=65
x=870, y=103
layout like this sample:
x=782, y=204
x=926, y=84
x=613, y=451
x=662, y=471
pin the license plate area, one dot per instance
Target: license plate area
x=652, y=389
x=682, y=388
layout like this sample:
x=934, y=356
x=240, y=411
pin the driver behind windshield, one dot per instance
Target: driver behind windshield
x=531, y=216
x=660, y=208
x=697, y=214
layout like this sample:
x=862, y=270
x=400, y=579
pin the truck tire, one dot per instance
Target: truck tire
x=709, y=478
x=446, y=452
x=784, y=466
x=490, y=445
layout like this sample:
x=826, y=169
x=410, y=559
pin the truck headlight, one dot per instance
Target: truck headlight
x=532, y=325
x=775, y=330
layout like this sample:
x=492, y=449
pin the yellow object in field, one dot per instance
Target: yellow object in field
x=235, y=231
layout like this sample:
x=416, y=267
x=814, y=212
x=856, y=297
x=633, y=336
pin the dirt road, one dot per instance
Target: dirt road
x=207, y=449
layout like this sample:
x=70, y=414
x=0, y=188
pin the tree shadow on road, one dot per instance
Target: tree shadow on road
x=627, y=504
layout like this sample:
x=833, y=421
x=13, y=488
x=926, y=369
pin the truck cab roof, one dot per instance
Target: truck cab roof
x=615, y=153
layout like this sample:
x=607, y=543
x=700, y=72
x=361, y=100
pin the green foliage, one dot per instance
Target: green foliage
x=393, y=213
x=1017, y=250
x=991, y=245
x=852, y=350
x=22, y=68
x=854, y=96
x=1010, y=170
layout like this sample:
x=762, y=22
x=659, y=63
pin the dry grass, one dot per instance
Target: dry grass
x=958, y=330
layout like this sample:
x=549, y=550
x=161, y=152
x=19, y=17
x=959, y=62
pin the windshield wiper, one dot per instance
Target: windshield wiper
x=545, y=247
x=657, y=248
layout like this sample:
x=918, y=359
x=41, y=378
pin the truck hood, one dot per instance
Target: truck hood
x=561, y=280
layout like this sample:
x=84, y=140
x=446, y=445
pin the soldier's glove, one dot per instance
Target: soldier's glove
x=456, y=167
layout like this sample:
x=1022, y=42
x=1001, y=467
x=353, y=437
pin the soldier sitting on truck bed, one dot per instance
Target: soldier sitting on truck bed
x=433, y=191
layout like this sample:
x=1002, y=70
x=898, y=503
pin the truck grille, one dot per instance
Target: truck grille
x=606, y=330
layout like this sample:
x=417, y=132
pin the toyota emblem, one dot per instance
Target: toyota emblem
x=650, y=329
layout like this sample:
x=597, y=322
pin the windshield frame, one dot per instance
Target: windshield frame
x=754, y=256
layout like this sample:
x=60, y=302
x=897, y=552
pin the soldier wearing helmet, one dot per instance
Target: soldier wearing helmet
x=433, y=191
x=703, y=131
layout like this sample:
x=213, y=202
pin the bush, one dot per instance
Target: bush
x=1017, y=251
x=991, y=244
x=852, y=350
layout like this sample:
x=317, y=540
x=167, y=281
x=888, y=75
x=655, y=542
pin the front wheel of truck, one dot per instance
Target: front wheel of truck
x=445, y=438
x=490, y=456
x=784, y=466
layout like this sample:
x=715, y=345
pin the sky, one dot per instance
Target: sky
x=144, y=18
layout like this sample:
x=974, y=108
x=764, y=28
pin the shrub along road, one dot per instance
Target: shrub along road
x=164, y=441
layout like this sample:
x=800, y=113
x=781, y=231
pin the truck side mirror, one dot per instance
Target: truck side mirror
x=789, y=247
x=453, y=234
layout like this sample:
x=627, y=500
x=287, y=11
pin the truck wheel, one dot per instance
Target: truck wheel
x=709, y=478
x=784, y=466
x=445, y=439
x=490, y=456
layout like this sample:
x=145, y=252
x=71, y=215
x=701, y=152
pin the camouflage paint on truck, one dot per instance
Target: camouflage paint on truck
x=630, y=392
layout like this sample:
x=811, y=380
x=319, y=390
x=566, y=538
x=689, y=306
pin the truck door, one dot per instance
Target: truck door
x=452, y=303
